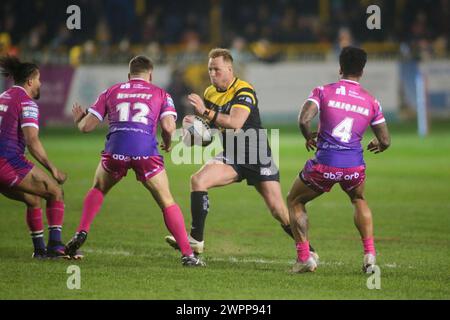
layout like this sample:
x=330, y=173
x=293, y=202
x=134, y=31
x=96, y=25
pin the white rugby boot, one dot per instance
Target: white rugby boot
x=368, y=263
x=309, y=265
x=197, y=246
x=315, y=256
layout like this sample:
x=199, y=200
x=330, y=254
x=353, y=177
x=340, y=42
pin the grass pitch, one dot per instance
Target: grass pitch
x=248, y=255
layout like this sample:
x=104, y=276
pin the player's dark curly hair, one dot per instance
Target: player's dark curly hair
x=19, y=71
x=352, y=61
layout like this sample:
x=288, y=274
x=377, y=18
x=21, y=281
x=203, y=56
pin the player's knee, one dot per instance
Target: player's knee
x=293, y=200
x=280, y=213
x=54, y=193
x=33, y=201
x=166, y=203
x=198, y=183
x=277, y=207
x=60, y=194
x=290, y=199
x=100, y=187
x=358, y=197
x=165, y=200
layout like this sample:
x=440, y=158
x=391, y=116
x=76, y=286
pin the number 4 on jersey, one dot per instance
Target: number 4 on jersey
x=343, y=130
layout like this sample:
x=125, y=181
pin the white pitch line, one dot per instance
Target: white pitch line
x=232, y=259
x=391, y=265
x=112, y=252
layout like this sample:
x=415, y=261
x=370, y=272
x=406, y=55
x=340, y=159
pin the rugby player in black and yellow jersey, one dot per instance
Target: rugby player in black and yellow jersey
x=231, y=105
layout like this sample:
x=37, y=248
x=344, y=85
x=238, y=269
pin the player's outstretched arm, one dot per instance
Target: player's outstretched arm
x=85, y=121
x=307, y=114
x=382, y=140
x=168, y=127
x=37, y=150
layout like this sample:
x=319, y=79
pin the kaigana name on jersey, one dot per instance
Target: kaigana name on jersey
x=348, y=107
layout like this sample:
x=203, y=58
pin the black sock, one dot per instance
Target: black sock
x=38, y=240
x=288, y=230
x=199, y=210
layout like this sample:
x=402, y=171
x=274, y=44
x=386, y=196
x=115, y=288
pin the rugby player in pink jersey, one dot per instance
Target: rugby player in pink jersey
x=134, y=109
x=20, y=179
x=345, y=111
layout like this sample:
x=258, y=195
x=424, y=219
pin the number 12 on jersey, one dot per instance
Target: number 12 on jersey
x=124, y=112
x=343, y=131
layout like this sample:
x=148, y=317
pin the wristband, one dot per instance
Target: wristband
x=216, y=114
x=206, y=113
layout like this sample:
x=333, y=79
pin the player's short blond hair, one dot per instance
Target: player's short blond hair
x=220, y=52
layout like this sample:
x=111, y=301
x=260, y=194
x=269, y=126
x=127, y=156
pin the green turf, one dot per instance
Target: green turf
x=248, y=255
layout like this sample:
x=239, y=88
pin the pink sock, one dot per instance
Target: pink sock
x=91, y=206
x=34, y=220
x=55, y=213
x=369, y=246
x=303, y=251
x=173, y=217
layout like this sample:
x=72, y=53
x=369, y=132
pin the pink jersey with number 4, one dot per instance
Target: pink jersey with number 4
x=346, y=110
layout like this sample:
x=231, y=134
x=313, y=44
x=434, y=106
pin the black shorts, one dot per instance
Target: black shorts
x=253, y=173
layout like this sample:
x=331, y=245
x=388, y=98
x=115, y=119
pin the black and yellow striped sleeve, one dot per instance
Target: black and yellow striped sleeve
x=244, y=98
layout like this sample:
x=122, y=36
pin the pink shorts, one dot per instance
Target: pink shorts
x=144, y=167
x=321, y=178
x=13, y=170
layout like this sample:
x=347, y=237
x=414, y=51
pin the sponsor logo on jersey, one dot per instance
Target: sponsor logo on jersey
x=339, y=176
x=341, y=90
x=266, y=172
x=245, y=99
x=30, y=112
x=170, y=101
x=139, y=86
x=122, y=157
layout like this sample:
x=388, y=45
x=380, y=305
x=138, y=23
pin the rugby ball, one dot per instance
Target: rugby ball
x=196, y=131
